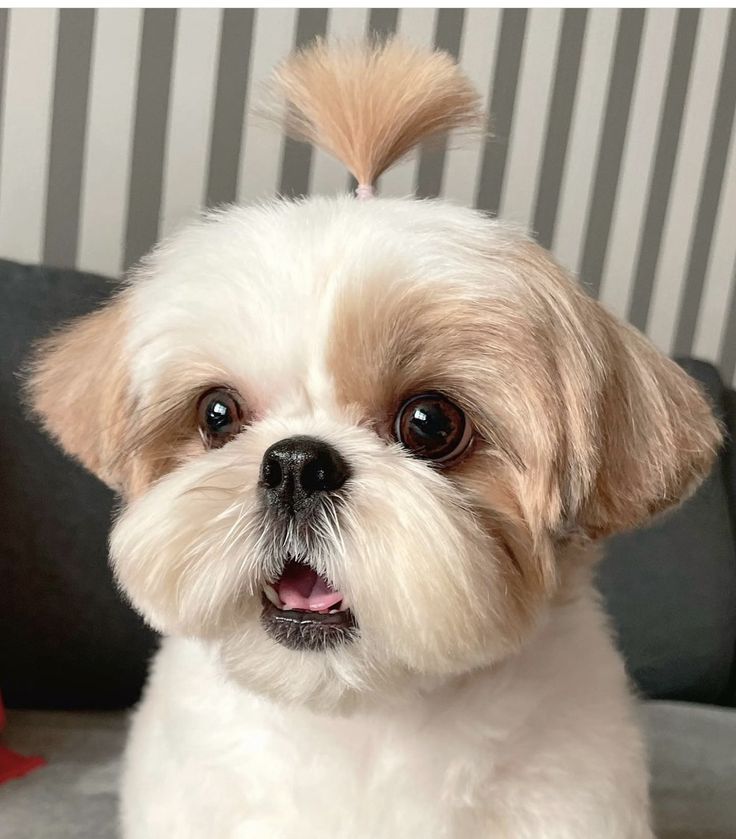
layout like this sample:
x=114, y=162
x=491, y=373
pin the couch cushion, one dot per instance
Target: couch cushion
x=692, y=752
x=671, y=589
x=68, y=640
x=75, y=795
x=693, y=759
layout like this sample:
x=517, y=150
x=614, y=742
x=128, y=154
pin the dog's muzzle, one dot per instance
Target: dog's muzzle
x=301, y=609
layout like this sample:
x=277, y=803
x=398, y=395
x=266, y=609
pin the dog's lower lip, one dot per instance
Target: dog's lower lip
x=299, y=629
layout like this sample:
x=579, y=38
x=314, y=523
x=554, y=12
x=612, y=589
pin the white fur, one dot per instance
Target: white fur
x=250, y=289
x=545, y=746
x=446, y=718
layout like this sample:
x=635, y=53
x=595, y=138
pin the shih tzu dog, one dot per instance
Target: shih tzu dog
x=365, y=450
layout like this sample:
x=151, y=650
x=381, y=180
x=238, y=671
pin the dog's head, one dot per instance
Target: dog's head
x=350, y=437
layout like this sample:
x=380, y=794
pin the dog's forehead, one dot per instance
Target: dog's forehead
x=255, y=295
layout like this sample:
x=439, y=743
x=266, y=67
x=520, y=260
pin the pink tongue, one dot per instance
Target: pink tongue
x=302, y=588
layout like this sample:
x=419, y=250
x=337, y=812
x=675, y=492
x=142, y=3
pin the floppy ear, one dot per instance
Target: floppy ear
x=635, y=433
x=78, y=386
x=657, y=436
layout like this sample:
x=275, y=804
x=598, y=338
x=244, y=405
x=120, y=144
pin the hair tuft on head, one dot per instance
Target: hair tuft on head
x=370, y=103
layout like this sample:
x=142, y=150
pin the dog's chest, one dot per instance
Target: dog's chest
x=363, y=777
x=276, y=772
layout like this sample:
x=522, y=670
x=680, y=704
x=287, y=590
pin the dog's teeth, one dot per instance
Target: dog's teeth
x=344, y=605
x=270, y=593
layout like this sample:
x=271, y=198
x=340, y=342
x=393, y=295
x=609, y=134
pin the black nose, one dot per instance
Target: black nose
x=295, y=469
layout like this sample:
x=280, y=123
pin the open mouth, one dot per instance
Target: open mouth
x=302, y=611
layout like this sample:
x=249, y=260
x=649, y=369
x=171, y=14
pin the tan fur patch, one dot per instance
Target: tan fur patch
x=598, y=430
x=370, y=103
x=389, y=344
x=530, y=576
x=79, y=387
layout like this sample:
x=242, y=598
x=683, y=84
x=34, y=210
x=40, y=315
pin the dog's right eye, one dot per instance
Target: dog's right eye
x=219, y=417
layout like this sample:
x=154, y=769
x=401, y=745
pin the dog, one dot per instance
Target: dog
x=366, y=450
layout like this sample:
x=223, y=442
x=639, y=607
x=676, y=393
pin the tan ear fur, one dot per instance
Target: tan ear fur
x=78, y=386
x=369, y=103
x=658, y=435
x=638, y=433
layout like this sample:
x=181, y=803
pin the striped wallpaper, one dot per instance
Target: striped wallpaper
x=613, y=139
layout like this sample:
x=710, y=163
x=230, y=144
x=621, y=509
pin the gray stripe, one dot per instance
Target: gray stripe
x=226, y=141
x=559, y=120
x=605, y=186
x=664, y=165
x=3, y=41
x=710, y=196
x=431, y=168
x=382, y=22
x=505, y=80
x=728, y=353
x=297, y=160
x=68, y=134
x=149, y=139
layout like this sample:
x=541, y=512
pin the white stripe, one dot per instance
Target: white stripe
x=636, y=169
x=585, y=134
x=194, y=77
x=328, y=176
x=526, y=142
x=719, y=278
x=416, y=26
x=689, y=167
x=110, y=122
x=260, y=161
x=31, y=54
x=477, y=58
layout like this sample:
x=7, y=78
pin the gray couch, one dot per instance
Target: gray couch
x=73, y=655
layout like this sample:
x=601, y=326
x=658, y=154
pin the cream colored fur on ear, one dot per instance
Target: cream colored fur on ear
x=370, y=103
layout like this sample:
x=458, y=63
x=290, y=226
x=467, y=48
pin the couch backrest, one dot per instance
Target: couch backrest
x=67, y=639
x=671, y=588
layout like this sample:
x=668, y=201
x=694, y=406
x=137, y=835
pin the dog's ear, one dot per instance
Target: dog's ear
x=657, y=436
x=634, y=432
x=78, y=386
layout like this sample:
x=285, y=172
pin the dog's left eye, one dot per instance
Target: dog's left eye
x=219, y=416
x=433, y=427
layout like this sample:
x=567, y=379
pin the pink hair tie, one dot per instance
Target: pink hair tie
x=364, y=191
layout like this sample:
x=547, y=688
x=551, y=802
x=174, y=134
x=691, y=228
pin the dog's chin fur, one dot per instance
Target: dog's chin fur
x=324, y=316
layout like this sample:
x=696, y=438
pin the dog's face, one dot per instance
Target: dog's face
x=350, y=438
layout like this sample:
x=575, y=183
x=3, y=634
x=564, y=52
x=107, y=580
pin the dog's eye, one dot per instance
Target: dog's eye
x=432, y=427
x=219, y=416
